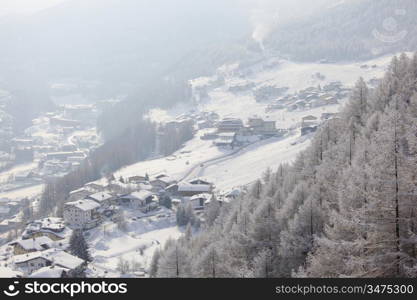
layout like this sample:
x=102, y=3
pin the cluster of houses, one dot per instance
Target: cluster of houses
x=41, y=252
x=232, y=132
x=47, y=143
x=310, y=123
x=311, y=97
x=89, y=206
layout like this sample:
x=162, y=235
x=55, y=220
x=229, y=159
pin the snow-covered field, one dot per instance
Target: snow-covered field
x=5, y=175
x=248, y=166
x=109, y=244
x=194, y=152
x=26, y=192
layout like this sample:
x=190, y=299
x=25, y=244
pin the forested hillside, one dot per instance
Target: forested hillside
x=347, y=207
x=349, y=30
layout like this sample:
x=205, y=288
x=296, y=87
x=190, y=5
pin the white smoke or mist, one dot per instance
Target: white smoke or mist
x=264, y=21
x=266, y=15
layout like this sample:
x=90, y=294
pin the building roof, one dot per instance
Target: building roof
x=57, y=257
x=207, y=197
x=36, y=244
x=165, y=178
x=199, y=181
x=9, y=273
x=63, y=259
x=310, y=117
x=49, y=272
x=141, y=195
x=85, y=204
x=100, y=196
x=187, y=187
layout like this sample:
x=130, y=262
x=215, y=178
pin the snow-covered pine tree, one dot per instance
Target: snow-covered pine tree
x=78, y=246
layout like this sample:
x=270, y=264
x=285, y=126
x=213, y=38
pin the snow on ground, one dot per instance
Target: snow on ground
x=194, y=152
x=109, y=244
x=5, y=175
x=249, y=165
x=228, y=169
x=26, y=192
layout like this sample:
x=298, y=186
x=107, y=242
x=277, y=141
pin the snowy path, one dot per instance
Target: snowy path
x=198, y=170
x=248, y=166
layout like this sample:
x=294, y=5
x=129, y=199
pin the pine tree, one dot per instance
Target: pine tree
x=78, y=246
x=153, y=268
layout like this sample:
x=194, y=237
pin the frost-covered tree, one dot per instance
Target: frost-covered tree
x=153, y=268
x=78, y=245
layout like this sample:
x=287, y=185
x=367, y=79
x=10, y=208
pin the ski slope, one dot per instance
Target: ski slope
x=248, y=166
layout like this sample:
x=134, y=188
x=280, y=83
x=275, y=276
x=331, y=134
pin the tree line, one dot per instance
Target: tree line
x=347, y=206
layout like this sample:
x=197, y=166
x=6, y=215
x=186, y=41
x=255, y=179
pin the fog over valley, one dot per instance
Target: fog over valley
x=183, y=138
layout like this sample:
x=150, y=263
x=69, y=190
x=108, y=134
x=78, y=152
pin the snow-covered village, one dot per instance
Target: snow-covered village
x=263, y=160
x=127, y=215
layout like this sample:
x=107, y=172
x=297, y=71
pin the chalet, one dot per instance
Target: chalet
x=260, y=127
x=226, y=139
x=162, y=181
x=200, y=200
x=31, y=245
x=51, y=272
x=31, y=262
x=79, y=194
x=52, y=228
x=102, y=198
x=137, y=199
x=199, y=181
x=95, y=187
x=309, y=118
x=137, y=179
x=82, y=214
x=189, y=190
x=210, y=135
x=230, y=125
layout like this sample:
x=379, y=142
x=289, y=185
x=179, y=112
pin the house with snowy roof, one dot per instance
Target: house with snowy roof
x=199, y=201
x=54, y=228
x=50, y=272
x=102, y=198
x=162, y=181
x=185, y=189
x=82, y=214
x=34, y=261
x=31, y=245
x=142, y=200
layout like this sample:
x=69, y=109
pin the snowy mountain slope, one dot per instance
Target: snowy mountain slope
x=246, y=166
x=177, y=165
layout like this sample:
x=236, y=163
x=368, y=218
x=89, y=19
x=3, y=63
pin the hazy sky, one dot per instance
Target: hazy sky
x=25, y=6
